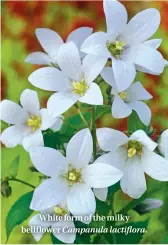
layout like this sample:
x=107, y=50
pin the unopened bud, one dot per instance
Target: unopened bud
x=148, y=205
x=6, y=189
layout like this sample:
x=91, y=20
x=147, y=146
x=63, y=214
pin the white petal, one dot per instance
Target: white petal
x=124, y=73
x=100, y=175
x=149, y=59
x=142, y=26
x=142, y=137
x=49, y=193
x=49, y=78
x=30, y=101
x=137, y=92
x=92, y=66
x=80, y=149
x=96, y=44
x=58, y=103
x=155, y=165
x=133, y=182
x=154, y=43
x=36, y=221
x=165, y=63
x=81, y=200
x=69, y=61
x=110, y=139
x=101, y=193
x=116, y=15
x=93, y=95
x=163, y=142
x=58, y=123
x=108, y=75
x=120, y=109
x=46, y=120
x=143, y=111
x=38, y=58
x=12, y=113
x=48, y=161
x=49, y=40
x=64, y=236
x=13, y=135
x=33, y=139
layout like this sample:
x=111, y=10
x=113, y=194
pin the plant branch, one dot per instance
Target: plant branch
x=82, y=117
x=21, y=181
x=93, y=131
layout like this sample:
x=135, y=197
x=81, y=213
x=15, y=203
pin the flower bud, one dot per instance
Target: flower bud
x=6, y=189
x=147, y=205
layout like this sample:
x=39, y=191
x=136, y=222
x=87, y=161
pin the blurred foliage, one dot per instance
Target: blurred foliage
x=19, y=21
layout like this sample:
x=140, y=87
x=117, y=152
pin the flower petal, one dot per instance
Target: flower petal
x=49, y=193
x=12, y=113
x=49, y=40
x=154, y=43
x=124, y=73
x=133, y=182
x=93, y=95
x=33, y=139
x=165, y=63
x=46, y=120
x=58, y=123
x=116, y=15
x=92, y=66
x=59, y=102
x=120, y=109
x=30, y=101
x=69, y=61
x=50, y=79
x=101, y=193
x=142, y=26
x=155, y=165
x=80, y=149
x=66, y=237
x=81, y=200
x=100, y=175
x=110, y=139
x=108, y=75
x=143, y=138
x=36, y=221
x=163, y=143
x=38, y=58
x=137, y=92
x=48, y=161
x=96, y=44
x=13, y=135
x=143, y=111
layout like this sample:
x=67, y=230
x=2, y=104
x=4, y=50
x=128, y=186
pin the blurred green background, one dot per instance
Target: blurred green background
x=19, y=21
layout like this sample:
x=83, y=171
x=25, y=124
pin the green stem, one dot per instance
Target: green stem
x=21, y=181
x=93, y=131
x=82, y=117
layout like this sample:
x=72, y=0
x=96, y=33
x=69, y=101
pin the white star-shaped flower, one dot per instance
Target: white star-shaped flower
x=126, y=44
x=130, y=99
x=134, y=156
x=51, y=42
x=72, y=177
x=163, y=143
x=27, y=121
x=41, y=219
x=74, y=83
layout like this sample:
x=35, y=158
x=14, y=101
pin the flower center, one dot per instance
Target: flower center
x=60, y=211
x=134, y=147
x=73, y=176
x=115, y=48
x=123, y=95
x=34, y=122
x=79, y=87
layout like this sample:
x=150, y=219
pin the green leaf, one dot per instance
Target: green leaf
x=165, y=240
x=18, y=213
x=130, y=238
x=55, y=240
x=112, y=190
x=13, y=169
x=81, y=238
x=134, y=123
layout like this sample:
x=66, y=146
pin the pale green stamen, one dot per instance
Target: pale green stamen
x=115, y=48
x=133, y=148
x=73, y=175
x=60, y=211
x=79, y=88
x=34, y=122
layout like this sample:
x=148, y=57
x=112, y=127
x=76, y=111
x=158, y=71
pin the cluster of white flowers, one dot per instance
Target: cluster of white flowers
x=73, y=181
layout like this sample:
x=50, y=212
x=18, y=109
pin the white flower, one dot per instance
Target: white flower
x=71, y=177
x=126, y=43
x=73, y=83
x=130, y=99
x=27, y=121
x=45, y=219
x=134, y=156
x=163, y=143
x=51, y=42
